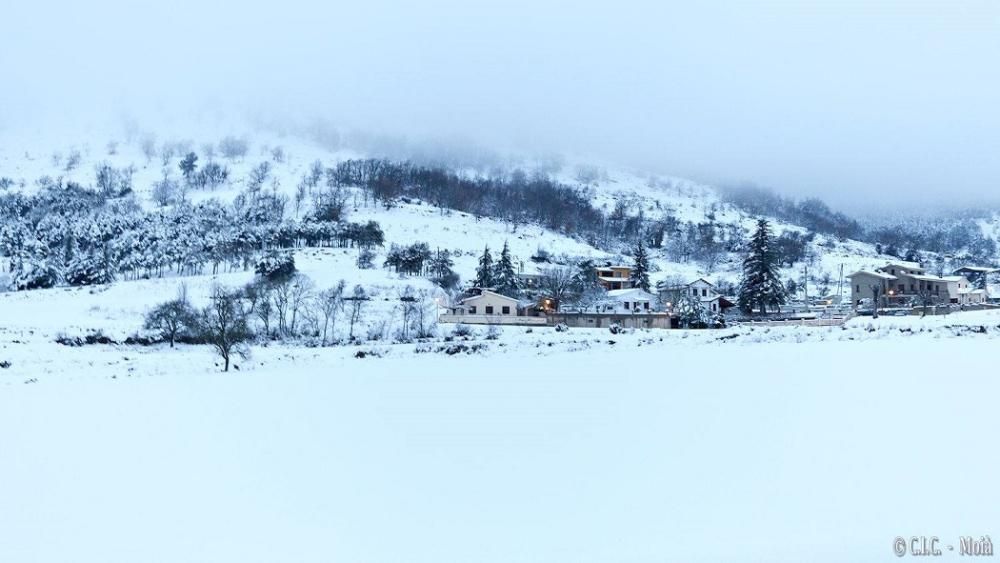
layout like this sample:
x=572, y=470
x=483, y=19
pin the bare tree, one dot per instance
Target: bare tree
x=426, y=307
x=258, y=175
x=315, y=174
x=357, y=302
x=877, y=291
x=233, y=147
x=278, y=154
x=224, y=325
x=557, y=282
x=300, y=296
x=73, y=160
x=172, y=318
x=410, y=306
x=148, y=145
x=331, y=302
x=925, y=297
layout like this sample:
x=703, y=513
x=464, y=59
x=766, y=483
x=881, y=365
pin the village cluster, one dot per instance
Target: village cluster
x=621, y=303
x=898, y=287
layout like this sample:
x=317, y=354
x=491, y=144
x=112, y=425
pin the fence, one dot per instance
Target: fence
x=492, y=320
x=835, y=321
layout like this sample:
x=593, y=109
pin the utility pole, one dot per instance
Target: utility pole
x=805, y=283
x=840, y=285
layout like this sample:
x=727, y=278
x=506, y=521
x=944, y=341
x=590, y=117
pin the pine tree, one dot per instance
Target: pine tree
x=760, y=287
x=640, y=268
x=585, y=278
x=188, y=165
x=504, y=277
x=484, y=273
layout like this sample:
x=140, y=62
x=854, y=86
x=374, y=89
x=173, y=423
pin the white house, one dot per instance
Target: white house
x=700, y=289
x=487, y=303
x=632, y=300
x=489, y=308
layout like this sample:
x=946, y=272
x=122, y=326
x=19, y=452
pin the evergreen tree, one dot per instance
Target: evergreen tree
x=640, y=268
x=690, y=311
x=585, y=278
x=504, y=278
x=188, y=166
x=441, y=270
x=760, y=287
x=484, y=273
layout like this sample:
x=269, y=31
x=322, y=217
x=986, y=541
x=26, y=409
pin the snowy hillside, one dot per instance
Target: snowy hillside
x=29, y=160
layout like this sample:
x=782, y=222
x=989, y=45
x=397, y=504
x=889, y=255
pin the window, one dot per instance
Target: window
x=902, y=288
x=694, y=291
x=625, y=304
x=893, y=271
x=489, y=309
x=857, y=288
x=704, y=292
x=505, y=310
x=472, y=309
x=645, y=306
x=713, y=307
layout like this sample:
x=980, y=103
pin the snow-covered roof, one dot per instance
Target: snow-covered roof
x=928, y=277
x=977, y=269
x=487, y=292
x=634, y=293
x=904, y=264
x=882, y=275
x=662, y=286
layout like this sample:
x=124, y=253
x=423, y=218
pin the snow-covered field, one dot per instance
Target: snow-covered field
x=788, y=444
x=773, y=444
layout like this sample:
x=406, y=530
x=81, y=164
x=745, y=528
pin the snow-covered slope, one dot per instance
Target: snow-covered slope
x=25, y=157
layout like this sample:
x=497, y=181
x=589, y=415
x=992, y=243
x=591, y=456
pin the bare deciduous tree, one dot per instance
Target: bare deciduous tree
x=224, y=325
x=357, y=301
x=331, y=302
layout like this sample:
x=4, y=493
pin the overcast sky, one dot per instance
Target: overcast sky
x=862, y=101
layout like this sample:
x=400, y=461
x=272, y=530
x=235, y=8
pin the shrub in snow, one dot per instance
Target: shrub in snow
x=276, y=266
x=562, y=327
x=233, y=147
x=166, y=192
x=366, y=259
x=374, y=333
x=493, y=332
x=462, y=330
x=360, y=354
x=615, y=328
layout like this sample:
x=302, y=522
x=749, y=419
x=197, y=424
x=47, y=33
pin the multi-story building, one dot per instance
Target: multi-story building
x=904, y=282
x=614, y=277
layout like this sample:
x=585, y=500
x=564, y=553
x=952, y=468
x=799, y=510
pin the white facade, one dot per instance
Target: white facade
x=632, y=300
x=488, y=303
